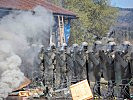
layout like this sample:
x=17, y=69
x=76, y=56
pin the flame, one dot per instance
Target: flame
x=24, y=93
x=30, y=92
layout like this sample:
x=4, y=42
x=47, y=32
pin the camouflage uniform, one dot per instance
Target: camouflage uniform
x=75, y=66
x=94, y=58
x=49, y=69
x=123, y=69
x=81, y=59
x=61, y=67
x=109, y=73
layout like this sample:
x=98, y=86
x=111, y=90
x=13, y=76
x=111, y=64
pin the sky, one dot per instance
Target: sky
x=122, y=3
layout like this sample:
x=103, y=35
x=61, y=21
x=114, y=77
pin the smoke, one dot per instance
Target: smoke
x=22, y=34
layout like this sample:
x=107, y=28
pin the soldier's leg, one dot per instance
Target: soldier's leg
x=96, y=88
x=57, y=76
x=75, y=78
x=110, y=92
x=111, y=81
x=124, y=93
x=125, y=82
x=87, y=71
x=131, y=68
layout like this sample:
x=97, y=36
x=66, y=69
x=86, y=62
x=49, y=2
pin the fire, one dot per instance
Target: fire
x=31, y=93
x=24, y=93
x=36, y=92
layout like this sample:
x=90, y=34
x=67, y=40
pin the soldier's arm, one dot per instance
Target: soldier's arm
x=93, y=59
x=121, y=60
x=105, y=57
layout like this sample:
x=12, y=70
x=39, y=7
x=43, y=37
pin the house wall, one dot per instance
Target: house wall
x=3, y=12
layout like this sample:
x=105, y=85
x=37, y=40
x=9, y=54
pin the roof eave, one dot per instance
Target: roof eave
x=65, y=15
x=72, y=16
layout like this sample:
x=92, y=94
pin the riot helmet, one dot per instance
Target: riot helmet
x=97, y=46
x=111, y=46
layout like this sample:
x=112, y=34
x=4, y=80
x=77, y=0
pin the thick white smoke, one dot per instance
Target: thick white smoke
x=21, y=35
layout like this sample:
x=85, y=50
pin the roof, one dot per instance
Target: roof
x=31, y=4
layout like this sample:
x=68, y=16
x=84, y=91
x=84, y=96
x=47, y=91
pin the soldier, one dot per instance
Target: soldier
x=49, y=69
x=108, y=71
x=94, y=58
x=131, y=64
x=42, y=64
x=85, y=55
x=122, y=59
x=131, y=67
x=81, y=59
x=70, y=65
x=75, y=67
x=38, y=63
x=61, y=68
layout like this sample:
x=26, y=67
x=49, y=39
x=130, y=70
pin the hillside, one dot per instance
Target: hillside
x=125, y=19
x=124, y=26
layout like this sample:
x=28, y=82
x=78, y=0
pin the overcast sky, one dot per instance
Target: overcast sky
x=122, y=3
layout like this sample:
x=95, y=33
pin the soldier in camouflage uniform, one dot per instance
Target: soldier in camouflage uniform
x=49, y=69
x=108, y=70
x=75, y=66
x=131, y=67
x=70, y=66
x=77, y=62
x=94, y=58
x=82, y=60
x=131, y=64
x=123, y=66
x=42, y=64
x=61, y=67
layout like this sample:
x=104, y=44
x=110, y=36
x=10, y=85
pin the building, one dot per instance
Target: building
x=61, y=30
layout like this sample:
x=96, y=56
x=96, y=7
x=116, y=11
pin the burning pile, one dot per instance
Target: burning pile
x=18, y=56
x=32, y=93
x=28, y=90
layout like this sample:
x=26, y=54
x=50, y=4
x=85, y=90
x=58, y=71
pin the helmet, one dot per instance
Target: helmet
x=97, y=42
x=126, y=43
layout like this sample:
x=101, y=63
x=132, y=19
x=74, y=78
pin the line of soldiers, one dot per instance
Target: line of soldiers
x=64, y=66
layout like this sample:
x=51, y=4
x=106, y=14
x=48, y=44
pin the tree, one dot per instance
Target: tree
x=57, y=2
x=95, y=17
